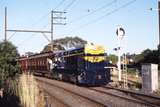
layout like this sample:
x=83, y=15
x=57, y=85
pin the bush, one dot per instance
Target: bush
x=8, y=64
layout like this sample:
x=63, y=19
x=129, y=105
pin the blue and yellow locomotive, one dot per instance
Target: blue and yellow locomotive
x=85, y=65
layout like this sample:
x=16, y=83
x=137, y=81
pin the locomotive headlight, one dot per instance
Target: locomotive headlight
x=99, y=77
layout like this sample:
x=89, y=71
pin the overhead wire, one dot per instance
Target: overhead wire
x=101, y=17
x=111, y=12
x=69, y=5
x=60, y=3
x=11, y=36
x=30, y=37
x=92, y=12
x=39, y=21
x=42, y=17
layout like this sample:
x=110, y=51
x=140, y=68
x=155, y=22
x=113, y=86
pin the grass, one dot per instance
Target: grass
x=29, y=93
x=134, y=80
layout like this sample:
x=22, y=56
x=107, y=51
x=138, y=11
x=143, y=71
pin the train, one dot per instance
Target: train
x=85, y=65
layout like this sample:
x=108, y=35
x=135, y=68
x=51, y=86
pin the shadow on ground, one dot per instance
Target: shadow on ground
x=9, y=100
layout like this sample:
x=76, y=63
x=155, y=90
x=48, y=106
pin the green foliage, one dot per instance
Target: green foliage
x=148, y=56
x=56, y=47
x=112, y=58
x=70, y=42
x=65, y=43
x=138, y=58
x=8, y=63
x=131, y=71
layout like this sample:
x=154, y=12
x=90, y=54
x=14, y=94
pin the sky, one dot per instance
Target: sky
x=93, y=20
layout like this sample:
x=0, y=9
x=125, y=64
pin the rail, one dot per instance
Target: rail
x=151, y=99
x=78, y=94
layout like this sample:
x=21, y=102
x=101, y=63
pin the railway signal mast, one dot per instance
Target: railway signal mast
x=153, y=9
x=120, y=34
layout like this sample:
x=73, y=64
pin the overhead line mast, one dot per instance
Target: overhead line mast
x=55, y=16
x=5, y=26
x=159, y=18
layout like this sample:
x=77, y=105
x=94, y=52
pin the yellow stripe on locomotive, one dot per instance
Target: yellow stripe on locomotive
x=94, y=59
x=94, y=50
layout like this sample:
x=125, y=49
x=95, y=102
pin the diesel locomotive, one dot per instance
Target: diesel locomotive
x=85, y=65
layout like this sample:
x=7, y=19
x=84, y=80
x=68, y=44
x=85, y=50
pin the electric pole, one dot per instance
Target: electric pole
x=56, y=19
x=159, y=19
x=52, y=30
x=5, y=25
x=157, y=9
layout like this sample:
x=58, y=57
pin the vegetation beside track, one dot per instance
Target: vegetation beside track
x=8, y=64
x=16, y=90
x=8, y=74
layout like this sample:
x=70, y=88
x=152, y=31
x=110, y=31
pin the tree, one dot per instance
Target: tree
x=112, y=58
x=29, y=53
x=8, y=63
x=65, y=43
x=56, y=47
x=70, y=42
x=148, y=56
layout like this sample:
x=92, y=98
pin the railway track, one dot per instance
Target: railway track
x=127, y=100
x=100, y=95
x=72, y=92
x=150, y=99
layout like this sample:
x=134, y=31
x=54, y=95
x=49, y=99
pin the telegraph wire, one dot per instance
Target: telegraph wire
x=39, y=20
x=30, y=36
x=92, y=12
x=69, y=5
x=44, y=16
x=117, y=9
x=107, y=14
x=11, y=36
x=59, y=4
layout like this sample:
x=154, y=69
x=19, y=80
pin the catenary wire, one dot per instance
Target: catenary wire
x=92, y=12
x=101, y=17
x=30, y=37
x=69, y=5
x=59, y=4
